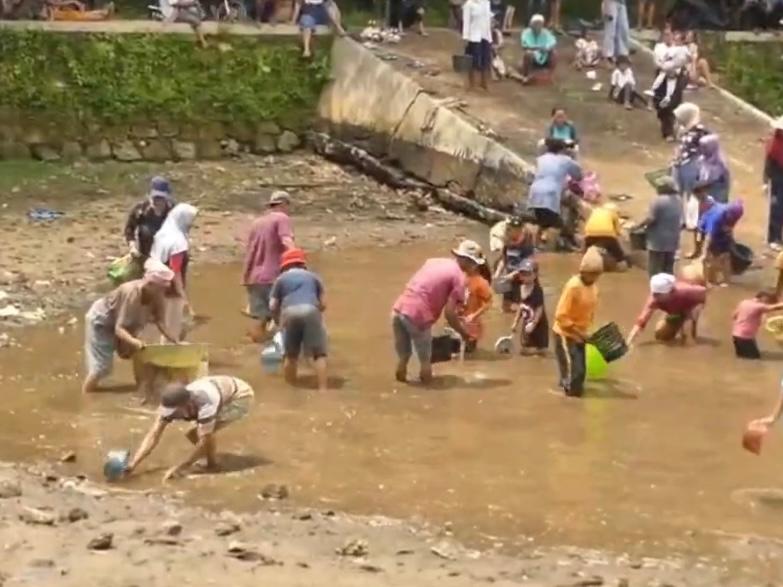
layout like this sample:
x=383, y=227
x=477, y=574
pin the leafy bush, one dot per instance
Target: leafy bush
x=125, y=78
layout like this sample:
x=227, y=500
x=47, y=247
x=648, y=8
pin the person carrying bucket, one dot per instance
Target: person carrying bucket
x=682, y=302
x=297, y=304
x=437, y=287
x=211, y=403
x=573, y=319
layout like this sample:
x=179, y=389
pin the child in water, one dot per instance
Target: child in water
x=531, y=314
x=747, y=322
x=477, y=302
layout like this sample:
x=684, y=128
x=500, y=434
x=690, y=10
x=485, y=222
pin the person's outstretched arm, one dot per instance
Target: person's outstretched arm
x=149, y=443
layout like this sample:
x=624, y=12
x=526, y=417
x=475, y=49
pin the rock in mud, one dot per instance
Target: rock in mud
x=444, y=550
x=42, y=563
x=274, y=491
x=101, y=542
x=68, y=457
x=595, y=581
x=368, y=568
x=355, y=547
x=37, y=517
x=227, y=528
x=247, y=553
x=10, y=488
x=77, y=515
x=171, y=528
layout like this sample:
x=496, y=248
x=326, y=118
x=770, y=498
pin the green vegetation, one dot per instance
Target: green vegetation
x=126, y=78
x=754, y=72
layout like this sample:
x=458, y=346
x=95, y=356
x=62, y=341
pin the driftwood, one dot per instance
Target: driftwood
x=347, y=154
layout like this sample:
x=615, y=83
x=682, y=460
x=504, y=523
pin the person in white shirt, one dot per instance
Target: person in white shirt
x=588, y=53
x=662, y=51
x=623, y=85
x=477, y=33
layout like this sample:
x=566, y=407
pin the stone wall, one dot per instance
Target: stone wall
x=162, y=141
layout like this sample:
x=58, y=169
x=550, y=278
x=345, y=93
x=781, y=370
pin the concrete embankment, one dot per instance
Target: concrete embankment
x=371, y=104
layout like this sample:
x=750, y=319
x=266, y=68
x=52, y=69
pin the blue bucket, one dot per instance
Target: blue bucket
x=115, y=465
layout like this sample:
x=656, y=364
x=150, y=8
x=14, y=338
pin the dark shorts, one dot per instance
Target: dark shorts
x=481, y=54
x=303, y=330
x=660, y=262
x=746, y=348
x=313, y=15
x=539, y=338
x=258, y=300
x=607, y=243
x=546, y=218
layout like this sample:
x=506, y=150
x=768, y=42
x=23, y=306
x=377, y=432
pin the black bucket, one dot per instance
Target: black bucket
x=741, y=258
x=609, y=341
x=638, y=238
x=443, y=347
x=462, y=63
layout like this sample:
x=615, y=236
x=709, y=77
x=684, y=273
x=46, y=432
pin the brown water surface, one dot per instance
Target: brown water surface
x=638, y=465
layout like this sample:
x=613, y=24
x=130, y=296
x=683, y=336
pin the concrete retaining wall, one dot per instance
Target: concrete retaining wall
x=371, y=104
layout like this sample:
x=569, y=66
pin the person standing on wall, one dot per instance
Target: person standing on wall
x=270, y=236
x=773, y=180
x=616, y=29
x=477, y=33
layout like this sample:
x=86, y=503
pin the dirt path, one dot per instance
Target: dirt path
x=619, y=145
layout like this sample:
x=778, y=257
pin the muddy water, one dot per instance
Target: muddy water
x=642, y=462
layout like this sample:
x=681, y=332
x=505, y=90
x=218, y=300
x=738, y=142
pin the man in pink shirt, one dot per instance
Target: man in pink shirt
x=747, y=322
x=270, y=236
x=437, y=287
x=682, y=302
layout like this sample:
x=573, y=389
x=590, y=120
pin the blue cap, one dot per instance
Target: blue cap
x=160, y=188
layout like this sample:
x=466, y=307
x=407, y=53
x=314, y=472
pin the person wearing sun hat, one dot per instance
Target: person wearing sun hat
x=146, y=218
x=438, y=287
x=297, y=303
x=573, y=319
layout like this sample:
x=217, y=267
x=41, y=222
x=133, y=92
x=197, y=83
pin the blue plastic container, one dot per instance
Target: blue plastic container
x=272, y=354
x=115, y=465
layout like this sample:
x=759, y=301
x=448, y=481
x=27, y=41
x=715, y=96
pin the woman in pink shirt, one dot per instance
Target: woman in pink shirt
x=439, y=286
x=747, y=321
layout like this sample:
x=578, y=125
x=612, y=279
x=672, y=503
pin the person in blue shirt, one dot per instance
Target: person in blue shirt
x=538, y=45
x=297, y=304
x=717, y=225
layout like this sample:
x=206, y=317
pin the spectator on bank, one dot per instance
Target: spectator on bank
x=310, y=14
x=616, y=30
x=622, y=87
x=477, y=34
x=663, y=52
x=663, y=225
x=588, y=54
x=75, y=11
x=698, y=68
x=773, y=178
x=406, y=13
x=455, y=14
x=646, y=15
x=538, y=46
x=190, y=12
x=146, y=217
x=667, y=93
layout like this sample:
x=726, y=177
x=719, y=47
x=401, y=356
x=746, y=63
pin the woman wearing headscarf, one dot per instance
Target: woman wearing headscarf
x=717, y=225
x=146, y=217
x=114, y=322
x=686, y=166
x=171, y=247
x=714, y=175
x=773, y=178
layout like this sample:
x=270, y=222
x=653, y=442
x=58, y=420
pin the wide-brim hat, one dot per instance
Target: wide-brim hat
x=469, y=249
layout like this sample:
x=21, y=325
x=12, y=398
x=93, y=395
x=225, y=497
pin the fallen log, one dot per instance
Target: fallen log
x=347, y=154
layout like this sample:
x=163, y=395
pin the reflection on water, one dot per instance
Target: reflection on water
x=648, y=455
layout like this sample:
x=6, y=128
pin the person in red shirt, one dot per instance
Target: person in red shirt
x=682, y=302
x=747, y=322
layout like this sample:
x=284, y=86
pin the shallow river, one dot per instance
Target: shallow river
x=638, y=465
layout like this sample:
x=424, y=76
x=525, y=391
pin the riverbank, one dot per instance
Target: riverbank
x=60, y=530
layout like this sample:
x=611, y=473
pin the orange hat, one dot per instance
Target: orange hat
x=292, y=257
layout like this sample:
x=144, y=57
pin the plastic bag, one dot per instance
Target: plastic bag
x=124, y=269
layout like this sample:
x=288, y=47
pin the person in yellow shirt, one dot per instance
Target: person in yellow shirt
x=573, y=318
x=603, y=230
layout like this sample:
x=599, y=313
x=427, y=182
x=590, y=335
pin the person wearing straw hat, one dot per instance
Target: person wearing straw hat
x=270, y=236
x=114, y=322
x=681, y=302
x=438, y=287
x=211, y=403
x=573, y=319
x=297, y=303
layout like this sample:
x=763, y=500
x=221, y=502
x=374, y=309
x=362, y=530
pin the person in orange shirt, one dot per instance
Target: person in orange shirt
x=573, y=319
x=477, y=301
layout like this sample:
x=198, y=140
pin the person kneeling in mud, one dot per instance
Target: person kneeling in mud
x=297, y=303
x=682, y=302
x=573, y=319
x=531, y=314
x=211, y=403
x=114, y=321
x=602, y=230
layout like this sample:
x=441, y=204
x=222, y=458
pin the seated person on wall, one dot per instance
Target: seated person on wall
x=538, y=46
x=404, y=14
x=73, y=10
x=309, y=14
x=189, y=12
